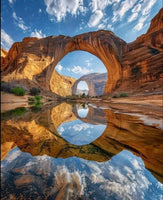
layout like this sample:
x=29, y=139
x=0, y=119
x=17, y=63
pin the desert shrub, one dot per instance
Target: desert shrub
x=34, y=91
x=123, y=94
x=12, y=113
x=18, y=91
x=38, y=98
x=19, y=111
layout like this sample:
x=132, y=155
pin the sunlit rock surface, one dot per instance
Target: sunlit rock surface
x=60, y=84
x=3, y=55
x=136, y=66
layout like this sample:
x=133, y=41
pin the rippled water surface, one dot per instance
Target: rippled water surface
x=65, y=151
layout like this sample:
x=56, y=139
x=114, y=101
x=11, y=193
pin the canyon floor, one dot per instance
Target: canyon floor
x=150, y=105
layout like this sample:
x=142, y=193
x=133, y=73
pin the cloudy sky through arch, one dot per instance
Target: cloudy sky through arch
x=128, y=19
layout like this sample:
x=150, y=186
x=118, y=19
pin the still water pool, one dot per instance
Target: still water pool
x=79, y=152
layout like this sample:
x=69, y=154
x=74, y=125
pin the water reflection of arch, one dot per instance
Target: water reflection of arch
x=95, y=81
x=94, y=115
x=37, y=134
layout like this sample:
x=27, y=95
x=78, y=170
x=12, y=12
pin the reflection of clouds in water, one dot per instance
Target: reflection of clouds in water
x=136, y=164
x=123, y=177
x=13, y=155
x=61, y=130
x=80, y=127
x=82, y=112
x=78, y=133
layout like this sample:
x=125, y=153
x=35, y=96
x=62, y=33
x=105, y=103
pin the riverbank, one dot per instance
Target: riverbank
x=147, y=105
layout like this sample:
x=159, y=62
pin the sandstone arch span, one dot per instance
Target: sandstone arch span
x=35, y=59
x=94, y=116
x=96, y=83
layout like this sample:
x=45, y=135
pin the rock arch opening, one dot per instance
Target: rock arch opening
x=82, y=88
x=103, y=44
x=78, y=73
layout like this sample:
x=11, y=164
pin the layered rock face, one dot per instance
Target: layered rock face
x=136, y=66
x=143, y=59
x=96, y=83
x=61, y=85
x=35, y=59
x=3, y=55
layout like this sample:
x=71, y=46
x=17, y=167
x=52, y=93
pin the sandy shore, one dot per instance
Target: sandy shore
x=147, y=105
x=11, y=101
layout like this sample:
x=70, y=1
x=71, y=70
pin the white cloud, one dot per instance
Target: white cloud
x=61, y=130
x=140, y=24
x=6, y=40
x=10, y=1
x=110, y=27
x=19, y=22
x=40, y=11
x=59, y=68
x=137, y=8
x=123, y=8
x=99, y=5
x=88, y=62
x=101, y=26
x=135, y=12
x=38, y=34
x=146, y=6
x=95, y=18
x=79, y=70
x=60, y=8
x=133, y=17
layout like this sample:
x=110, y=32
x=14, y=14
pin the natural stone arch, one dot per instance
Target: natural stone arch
x=103, y=44
x=35, y=59
x=96, y=83
x=94, y=116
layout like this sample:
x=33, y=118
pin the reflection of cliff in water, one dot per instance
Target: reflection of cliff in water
x=36, y=133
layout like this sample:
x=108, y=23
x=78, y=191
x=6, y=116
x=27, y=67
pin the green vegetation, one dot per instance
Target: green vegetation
x=12, y=113
x=34, y=91
x=10, y=88
x=18, y=91
x=123, y=94
x=35, y=101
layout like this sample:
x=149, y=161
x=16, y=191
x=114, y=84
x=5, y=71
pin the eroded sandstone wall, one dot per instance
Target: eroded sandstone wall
x=136, y=66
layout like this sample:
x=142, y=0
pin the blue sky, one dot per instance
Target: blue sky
x=128, y=19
